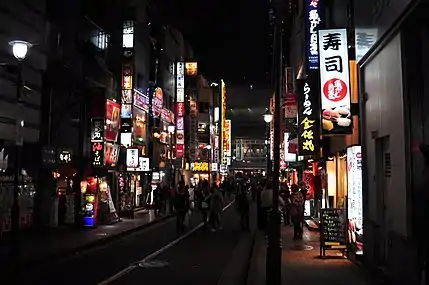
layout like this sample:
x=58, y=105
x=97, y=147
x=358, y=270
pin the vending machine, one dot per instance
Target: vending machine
x=89, y=189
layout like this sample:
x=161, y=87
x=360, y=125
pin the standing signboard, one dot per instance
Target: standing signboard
x=333, y=229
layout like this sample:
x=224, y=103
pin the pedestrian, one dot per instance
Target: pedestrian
x=243, y=207
x=285, y=194
x=215, y=207
x=266, y=204
x=182, y=207
x=204, y=204
x=297, y=211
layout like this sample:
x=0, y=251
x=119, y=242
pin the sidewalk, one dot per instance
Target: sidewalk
x=301, y=264
x=59, y=243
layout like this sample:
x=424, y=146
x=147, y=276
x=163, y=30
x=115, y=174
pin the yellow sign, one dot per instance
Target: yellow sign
x=200, y=166
x=222, y=120
x=227, y=139
x=191, y=68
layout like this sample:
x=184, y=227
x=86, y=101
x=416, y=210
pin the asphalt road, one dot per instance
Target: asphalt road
x=198, y=259
x=203, y=255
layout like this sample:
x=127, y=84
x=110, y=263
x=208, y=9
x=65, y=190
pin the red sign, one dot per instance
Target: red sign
x=113, y=111
x=179, y=150
x=308, y=179
x=335, y=89
x=180, y=109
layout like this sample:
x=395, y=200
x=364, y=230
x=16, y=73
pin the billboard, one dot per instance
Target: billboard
x=335, y=82
x=113, y=111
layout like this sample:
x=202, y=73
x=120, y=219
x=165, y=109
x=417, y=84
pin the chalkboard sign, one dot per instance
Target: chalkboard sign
x=333, y=229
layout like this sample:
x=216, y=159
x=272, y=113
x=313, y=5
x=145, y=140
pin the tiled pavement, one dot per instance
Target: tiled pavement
x=302, y=265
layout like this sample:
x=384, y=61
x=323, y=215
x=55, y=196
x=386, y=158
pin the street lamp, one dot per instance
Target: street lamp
x=268, y=117
x=19, y=51
x=171, y=130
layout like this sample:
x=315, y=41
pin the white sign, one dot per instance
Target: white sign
x=132, y=158
x=364, y=39
x=334, y=69
x=354, y=185
x=142, y=166
x=180, y=137
x=180, y=95
x=214, y=167
x=180, y=82
x=180, y=68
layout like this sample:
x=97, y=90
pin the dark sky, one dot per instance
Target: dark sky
x=230, y=37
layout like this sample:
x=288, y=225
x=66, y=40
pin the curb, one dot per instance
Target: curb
x=256, y=275
x=65, y=254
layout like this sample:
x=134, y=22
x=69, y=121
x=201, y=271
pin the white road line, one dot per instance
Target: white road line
x=130, y=268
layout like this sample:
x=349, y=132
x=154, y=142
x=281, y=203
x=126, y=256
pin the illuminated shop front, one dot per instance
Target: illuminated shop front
x=201, y=170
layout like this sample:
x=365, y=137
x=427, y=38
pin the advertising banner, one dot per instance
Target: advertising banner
x=97, y=153
x=141, y=100
x=314, y=21
x=291, y=106
x=335, y=82
x=308, y=116
x=222, y=119
x=354, y=199
x=157, y=102
x=193, y=133
x=139, y=125
x=111, y=154
x=308, y=179
x=113, y=111
x=227, y=140
x=180, y=109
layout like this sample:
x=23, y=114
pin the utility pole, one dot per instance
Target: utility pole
x=274, y=250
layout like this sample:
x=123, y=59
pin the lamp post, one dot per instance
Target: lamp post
x=274, y=250
x=19, y=51
x=171, y=130
x=268, y=117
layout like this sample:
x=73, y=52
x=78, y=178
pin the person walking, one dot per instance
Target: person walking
x=215, y=209
x=204, y=204
x=297, y=211
x=243, y=207
x=182, y=207
x=285, y=194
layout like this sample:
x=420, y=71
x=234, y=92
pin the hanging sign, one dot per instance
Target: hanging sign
x=308, y=117
x=97, y=130
x=314, y=21
x=335, y=82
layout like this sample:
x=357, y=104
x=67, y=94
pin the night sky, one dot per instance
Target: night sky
x=230, y=38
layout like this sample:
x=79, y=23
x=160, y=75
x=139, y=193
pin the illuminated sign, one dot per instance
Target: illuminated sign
x=354, y=197
x=97, y=130
x=65, y=156
x=200, y=166
x=191, y=69
x=272, y=106
x=314, y=21
x=132, y=158
x=157, y=102
x=180, y=111
x=308, y=117
x=335, y=82
x=222, y=120
x=227, y=139
x=180, y=108
x=97, y=153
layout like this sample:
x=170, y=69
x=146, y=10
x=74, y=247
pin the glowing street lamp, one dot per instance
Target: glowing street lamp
x=20, y=49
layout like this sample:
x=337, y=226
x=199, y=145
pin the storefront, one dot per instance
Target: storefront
x=136, y=179
x=201, y=170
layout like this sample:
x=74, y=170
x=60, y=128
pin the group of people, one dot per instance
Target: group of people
x=291, y=205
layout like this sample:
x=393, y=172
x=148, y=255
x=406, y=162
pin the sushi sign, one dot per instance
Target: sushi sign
x=334, y=80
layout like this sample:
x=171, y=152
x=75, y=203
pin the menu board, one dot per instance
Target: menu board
x=333, y=225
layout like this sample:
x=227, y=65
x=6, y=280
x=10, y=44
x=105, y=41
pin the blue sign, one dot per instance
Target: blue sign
x=314, y=22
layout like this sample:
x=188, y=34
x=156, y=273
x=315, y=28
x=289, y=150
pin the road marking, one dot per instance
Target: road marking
x=135, y=265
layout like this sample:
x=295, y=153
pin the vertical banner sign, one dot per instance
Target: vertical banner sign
x=308, y=117
x=223, y=118
x=97, y=141
x=227, y=142
x=272, y=106
x=354, y=199
x=193, y=134
x=335, y=82
x=180, y=109
x=314, y=21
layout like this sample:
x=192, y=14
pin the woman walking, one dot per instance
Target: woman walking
x=297, y=211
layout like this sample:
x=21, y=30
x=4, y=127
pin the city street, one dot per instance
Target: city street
x=210, y=253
